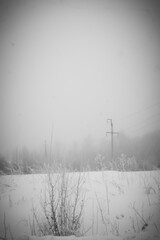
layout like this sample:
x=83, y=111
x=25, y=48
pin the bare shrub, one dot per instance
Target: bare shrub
x=62, y=204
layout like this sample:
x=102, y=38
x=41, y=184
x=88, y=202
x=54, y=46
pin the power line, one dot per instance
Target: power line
x=141, y=110
x=145, y=124
x=154, y=116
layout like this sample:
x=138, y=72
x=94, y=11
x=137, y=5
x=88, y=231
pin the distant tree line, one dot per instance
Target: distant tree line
x=129, y=155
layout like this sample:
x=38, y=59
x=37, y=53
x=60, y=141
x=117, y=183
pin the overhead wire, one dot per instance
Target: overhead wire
x=141, y=110
x=145, y=124
x=153, y=116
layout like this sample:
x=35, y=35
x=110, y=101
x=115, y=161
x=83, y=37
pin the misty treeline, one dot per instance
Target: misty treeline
x=130, y=154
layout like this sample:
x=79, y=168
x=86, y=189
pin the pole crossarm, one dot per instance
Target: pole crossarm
x=117, y=133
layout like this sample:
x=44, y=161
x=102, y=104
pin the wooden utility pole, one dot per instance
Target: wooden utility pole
x=45, y=150
x=112, y=133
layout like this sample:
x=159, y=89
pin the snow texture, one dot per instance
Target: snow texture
x=128, y=201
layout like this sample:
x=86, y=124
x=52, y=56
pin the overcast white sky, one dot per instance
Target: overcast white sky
x=74, y=64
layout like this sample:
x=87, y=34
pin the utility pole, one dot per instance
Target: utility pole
x=112, y=133
x=45, y=150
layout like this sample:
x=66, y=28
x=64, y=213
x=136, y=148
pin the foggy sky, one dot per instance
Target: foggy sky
x=67, y=66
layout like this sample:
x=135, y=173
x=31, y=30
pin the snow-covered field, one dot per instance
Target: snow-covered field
x=118, y=205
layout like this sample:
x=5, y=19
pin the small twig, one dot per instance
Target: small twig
x=156, y=227
x=133, y=225
x=5, y=227
x=106, y=187
x=32, y=226
x=147, y=193
x=35, y=216
x=10, y=232
x=88, y=229
x=6, y=230
x=133, y=207
x=103, y=220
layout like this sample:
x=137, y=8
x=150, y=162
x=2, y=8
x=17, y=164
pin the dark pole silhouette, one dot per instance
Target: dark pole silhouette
x=112, y=132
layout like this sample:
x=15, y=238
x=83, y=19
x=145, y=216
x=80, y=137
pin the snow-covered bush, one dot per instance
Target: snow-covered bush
x=122, y=163
x=125, y=163
x=100, y=162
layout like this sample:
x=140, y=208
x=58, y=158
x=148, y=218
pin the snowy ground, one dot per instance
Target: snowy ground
x=118, y=205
